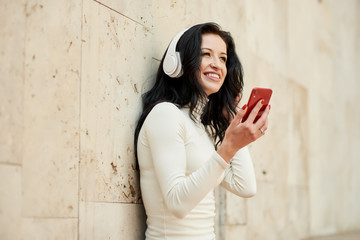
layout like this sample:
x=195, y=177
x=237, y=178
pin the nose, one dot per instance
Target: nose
x=215, y=62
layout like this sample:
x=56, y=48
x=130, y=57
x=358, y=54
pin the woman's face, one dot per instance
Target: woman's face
x=212, y=70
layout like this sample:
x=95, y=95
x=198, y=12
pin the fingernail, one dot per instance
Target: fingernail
x=269, y=106
x=243, y=108
x=262, y=102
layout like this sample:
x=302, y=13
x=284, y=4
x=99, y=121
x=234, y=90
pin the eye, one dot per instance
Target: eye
x=224, y=59
x=205, y=54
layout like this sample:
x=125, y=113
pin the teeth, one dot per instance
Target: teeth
x=212, y=75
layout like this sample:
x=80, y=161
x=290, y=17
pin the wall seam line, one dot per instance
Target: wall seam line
x=48, y=218
x=11, y=164
x=112, y=9
x=112, y=202
x=23, y=114
x=80, y=81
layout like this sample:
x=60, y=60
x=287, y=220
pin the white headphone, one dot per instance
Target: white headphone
x=172, y=61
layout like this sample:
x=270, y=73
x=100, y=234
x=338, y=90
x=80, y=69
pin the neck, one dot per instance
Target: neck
x=199, y=108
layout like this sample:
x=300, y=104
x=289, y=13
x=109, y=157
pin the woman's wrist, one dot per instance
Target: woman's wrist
x=226, y=152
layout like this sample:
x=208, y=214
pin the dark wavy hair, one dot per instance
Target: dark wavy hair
x=187, y=91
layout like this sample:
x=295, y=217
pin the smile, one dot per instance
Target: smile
x=212, y=75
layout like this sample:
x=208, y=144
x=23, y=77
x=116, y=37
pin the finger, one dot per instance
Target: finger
x=255, y=111
x=263, y=119
x=264, y=127
x=239, y=115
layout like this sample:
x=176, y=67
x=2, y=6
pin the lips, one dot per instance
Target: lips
x=212, y=75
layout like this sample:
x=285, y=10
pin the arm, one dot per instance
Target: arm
x=165, y=131
x=240, y=177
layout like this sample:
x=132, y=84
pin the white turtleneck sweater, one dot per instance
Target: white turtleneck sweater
x=179, y=169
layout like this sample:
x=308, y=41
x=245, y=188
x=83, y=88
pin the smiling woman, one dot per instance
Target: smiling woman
x=212, y=70
x=190, y=138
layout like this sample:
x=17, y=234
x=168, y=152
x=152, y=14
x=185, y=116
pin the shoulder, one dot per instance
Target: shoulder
x=165, y=120
x=164, y=113
x=165, y=107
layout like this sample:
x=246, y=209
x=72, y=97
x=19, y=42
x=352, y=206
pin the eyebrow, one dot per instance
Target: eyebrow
x=212, y=50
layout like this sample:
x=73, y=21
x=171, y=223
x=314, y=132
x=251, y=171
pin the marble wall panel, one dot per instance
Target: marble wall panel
x=51, y=109
x=346, y=49
x=10, y=201
x=231, y=19
x=111, y=221
x=235, y=209
x=220, y=212
x=298, y=214
x=270, y=42
x=11, y=80
x=301, y=47
x=323, y=39
x=116, y=68
x=267, y=212
x=315, y=167
x=270, y=160
x=49, y=228
x=169, y=18
x=333, y=176
x=298, y=149
x=136, y=11
x=335, y=131
x=346, y=114
x=227, y=17
x=235, y=232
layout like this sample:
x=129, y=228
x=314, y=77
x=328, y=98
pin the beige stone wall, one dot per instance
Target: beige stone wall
x=72, y=73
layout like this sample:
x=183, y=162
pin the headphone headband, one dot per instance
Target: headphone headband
x=172, y=62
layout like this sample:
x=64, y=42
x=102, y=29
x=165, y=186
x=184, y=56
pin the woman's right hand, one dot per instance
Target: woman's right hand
x=239, y=135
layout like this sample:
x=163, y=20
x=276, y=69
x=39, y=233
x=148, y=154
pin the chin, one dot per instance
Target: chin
x=212, y=92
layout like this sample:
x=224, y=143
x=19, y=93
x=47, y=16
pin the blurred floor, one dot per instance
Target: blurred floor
x=345, y=236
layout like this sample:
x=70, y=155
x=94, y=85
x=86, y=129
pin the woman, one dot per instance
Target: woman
x=189, y=138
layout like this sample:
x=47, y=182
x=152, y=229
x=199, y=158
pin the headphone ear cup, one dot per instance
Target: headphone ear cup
x=178, y=70
x=169, y=65
x=172, y=62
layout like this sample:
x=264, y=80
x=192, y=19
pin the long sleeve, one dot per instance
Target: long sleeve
x=240, y=177
x=165, y=129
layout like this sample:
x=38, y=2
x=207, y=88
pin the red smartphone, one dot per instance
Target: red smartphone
x=256, y=95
